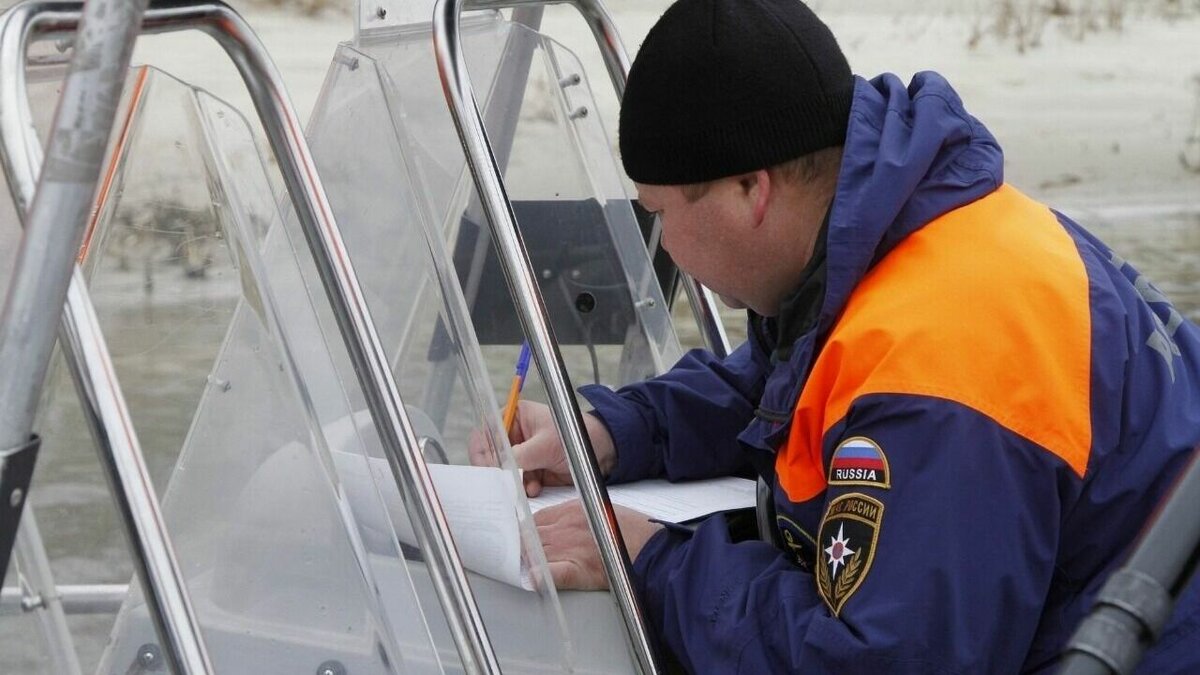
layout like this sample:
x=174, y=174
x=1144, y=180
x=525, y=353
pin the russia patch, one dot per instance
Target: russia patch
x=860, y=461
x=847, y=539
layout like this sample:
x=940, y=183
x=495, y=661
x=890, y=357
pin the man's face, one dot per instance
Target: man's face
x=707, y=237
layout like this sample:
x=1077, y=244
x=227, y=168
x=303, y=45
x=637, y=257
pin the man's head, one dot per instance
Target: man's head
x=731, y=124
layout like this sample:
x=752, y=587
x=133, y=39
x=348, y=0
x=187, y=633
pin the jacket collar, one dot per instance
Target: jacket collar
x=911, y=155
x=799, y=311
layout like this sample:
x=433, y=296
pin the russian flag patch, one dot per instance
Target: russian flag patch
x=859, y=461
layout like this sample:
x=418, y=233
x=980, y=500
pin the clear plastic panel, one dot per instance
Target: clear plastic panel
x=575, y=216
x=379, y=18
x=163, y=311
x=288, y=525
x=650, y=346
x=203, y=295
x=417, y=308
x=395, y=173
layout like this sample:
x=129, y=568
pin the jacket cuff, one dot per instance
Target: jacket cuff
x=631, y=440
x=654, y=564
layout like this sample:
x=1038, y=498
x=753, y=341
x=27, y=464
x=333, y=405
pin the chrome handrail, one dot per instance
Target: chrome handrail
x=45, y=276
x=531, y=307
x=285, y=136
x=75, y=599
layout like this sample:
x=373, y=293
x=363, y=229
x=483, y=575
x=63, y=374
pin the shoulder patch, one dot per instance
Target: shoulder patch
x=847, y=539
x=860, y=461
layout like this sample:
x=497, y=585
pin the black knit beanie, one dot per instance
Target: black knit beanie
x=723, y=87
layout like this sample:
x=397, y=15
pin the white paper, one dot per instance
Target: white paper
x=480, y=504
x=670, y=502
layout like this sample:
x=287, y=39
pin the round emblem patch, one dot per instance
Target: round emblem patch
x=847, y=539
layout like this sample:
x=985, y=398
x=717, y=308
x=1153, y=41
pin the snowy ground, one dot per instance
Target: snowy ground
x=1097, y=126
x=1085, y=123
x=1098, y=121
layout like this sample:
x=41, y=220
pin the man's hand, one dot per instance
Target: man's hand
x=539, y=451
x=572, y=553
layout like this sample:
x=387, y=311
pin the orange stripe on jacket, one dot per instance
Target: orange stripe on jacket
x=986, y=306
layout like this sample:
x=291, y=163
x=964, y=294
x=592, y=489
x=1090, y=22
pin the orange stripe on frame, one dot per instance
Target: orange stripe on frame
x=114, y=160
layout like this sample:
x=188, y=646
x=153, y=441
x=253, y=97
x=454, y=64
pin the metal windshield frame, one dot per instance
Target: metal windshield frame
x=531, y=307
x=53, y=199
x=49, y=20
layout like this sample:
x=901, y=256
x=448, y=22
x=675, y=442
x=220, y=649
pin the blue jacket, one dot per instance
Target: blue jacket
x=967, y=412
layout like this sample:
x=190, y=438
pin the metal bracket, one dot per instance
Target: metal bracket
x=148, y=659
x=16, y=472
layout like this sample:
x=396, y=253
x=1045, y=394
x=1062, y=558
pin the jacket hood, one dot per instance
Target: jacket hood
x=911, y=154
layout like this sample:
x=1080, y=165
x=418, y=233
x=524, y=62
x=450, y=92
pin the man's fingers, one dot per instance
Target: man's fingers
x=570, y=552
x=570, y=575
x=533, y=483
x=562, y=572
x=480, y=451
x=530, y=455
x=554, y=551
x=560, y=513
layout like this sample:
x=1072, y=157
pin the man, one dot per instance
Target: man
x=966, y=404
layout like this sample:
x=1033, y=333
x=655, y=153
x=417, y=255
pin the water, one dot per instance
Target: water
x=1166, y=248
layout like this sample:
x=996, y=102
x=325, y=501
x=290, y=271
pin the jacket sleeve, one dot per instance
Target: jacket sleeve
x=683, y=425
x=955, y=581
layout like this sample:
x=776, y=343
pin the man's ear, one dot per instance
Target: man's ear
x=756, y=189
